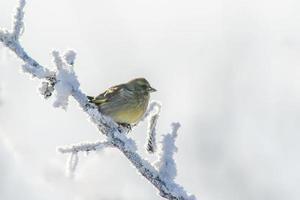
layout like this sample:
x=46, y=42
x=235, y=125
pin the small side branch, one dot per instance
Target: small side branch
x=154, y=108
x=66, y=80
x=74, y=149
x=166, y=163
x=18, y=21
x=152, y=114
x=84, y=147
x=72, y=164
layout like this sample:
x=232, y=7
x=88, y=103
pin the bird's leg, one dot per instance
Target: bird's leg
x=125, y=126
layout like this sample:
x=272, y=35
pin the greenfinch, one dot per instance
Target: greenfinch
x=125, y=103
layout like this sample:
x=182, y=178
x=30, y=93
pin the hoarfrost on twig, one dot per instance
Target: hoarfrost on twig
x=66, y=80
x=74, y=149
x=18, y=21
x=70, y=56
x=152, y=114
x=166, y=163
x=84, y=147
x=72, y=164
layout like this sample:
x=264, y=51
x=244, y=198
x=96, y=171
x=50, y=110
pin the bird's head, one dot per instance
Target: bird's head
x=140, y=85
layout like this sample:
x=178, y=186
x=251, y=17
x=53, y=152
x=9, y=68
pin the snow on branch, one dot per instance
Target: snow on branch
x=36, y=72
x=154, y=107
x=66, y=80
x=63, y=81
x=166, y=163
x=18, y=23
x=72, y=164
x=84, y=147
x=152, y=114
x=70, y=56
x=81, y=147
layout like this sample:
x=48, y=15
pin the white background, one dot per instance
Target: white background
x=228, y=71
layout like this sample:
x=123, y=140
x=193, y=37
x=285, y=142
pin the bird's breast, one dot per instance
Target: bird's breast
x=129, y=109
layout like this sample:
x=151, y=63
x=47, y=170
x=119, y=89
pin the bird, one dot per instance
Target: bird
x=125, y=103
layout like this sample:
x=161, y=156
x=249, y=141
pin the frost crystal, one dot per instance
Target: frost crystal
x=151, y=133
x=36, y=72
x=152, y=114
x=166, y=163
x=66, y=82
x=70, y=56
x=84, y=147
x=72, y=164
x=46, y=89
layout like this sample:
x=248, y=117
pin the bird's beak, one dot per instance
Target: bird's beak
x=151, y=89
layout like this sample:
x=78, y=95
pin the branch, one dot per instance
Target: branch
x=81, y=147
x=63, y=81
x=166, y=163
x=84, y=147
x=72, y=164
x=153, y=114
x=18, y=23
x=66, y=80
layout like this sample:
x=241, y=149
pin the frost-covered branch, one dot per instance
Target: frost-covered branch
x=66, y=80
x=63, y=81
x=74, y=149
x=72, y=164
x=154, y=107
x=18, y=23
x=152, y=114
x=166, y=163
x=84, y=147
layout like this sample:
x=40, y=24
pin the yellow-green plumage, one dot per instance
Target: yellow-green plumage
x=125, y=103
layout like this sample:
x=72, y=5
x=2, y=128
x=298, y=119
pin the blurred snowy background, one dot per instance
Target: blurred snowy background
x=228, y=70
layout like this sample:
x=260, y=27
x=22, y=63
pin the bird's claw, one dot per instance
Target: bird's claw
x=125, y=126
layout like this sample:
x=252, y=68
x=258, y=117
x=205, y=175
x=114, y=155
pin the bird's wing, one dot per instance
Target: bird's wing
x=108, y=94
